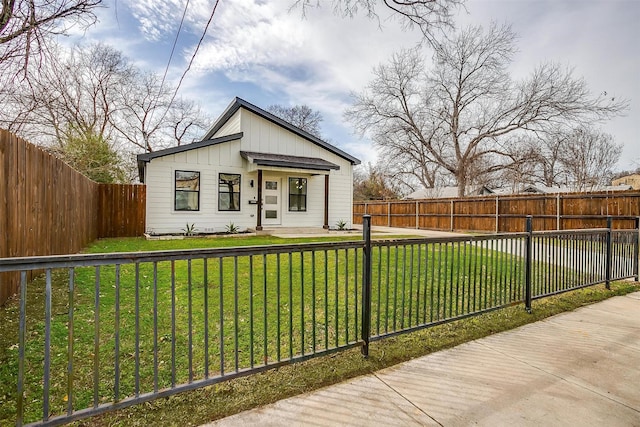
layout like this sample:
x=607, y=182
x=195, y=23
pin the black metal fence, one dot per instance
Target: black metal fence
x=105, y=331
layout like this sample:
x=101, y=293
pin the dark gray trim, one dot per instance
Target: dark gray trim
x=147, y=157
x=194, y=145
x=238, y=103
x=286, y=161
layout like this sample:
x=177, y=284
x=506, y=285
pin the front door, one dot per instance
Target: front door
x=271, y=201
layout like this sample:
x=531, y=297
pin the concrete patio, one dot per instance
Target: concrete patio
x=580, y=368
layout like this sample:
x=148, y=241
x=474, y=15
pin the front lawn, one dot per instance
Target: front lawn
x=254, y=310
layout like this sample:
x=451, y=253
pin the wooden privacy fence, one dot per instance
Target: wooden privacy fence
x=48, y=208
x=122, y=210
x=505, y=213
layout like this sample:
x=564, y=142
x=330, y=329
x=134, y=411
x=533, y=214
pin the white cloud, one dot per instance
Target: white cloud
x=319, y=59
x=316, y=60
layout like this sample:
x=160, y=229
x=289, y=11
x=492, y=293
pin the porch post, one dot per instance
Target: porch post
x=259, y=204
x=326, y=202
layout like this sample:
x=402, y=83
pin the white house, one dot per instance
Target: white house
x=251, y=169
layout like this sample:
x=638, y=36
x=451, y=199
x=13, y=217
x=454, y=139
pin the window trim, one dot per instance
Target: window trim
x=176, y=190
x=239, y=175
x=306, y=194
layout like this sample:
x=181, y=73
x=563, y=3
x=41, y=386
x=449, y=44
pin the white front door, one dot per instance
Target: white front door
x=271, y=201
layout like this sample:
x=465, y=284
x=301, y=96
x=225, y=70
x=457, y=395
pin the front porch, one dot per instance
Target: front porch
x=291, y=231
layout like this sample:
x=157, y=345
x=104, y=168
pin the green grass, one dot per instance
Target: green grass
x=210, y=403
x=325, y=313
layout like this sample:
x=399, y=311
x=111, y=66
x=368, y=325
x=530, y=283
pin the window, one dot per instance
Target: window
x=187, y=194
x=229, y=192
x=298, y=194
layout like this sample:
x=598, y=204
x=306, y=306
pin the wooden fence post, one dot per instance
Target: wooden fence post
x=557, y=212
x=451, y=225
x=497, y=215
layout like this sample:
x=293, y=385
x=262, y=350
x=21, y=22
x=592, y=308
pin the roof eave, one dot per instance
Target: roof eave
x=294, y=165
x=146, y=157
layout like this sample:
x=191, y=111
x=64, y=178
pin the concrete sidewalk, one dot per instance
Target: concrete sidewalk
x=580, y=368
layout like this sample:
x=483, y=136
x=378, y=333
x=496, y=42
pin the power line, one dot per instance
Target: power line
x=166, y=69
x=175, y=42
x=193, y=57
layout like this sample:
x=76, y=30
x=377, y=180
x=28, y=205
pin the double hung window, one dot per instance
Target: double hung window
x=228, y=192
x=297, y=194
x=187, y=191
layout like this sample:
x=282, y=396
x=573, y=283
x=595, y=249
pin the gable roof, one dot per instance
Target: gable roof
x=238, y=103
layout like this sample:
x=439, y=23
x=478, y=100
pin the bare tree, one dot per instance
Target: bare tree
x=150, y=117
x=95, y=94
x=548, y=160
x=27, y=25
x=588, y=157
x=580, y=158
x=370, y=182
x=301, y=116
x=431, y=16
x=75, y=93
x=461, y=112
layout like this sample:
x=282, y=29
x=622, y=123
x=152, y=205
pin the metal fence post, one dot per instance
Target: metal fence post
x=528, y=266
x=608, y=267
x=636, y=251
x=366, y=284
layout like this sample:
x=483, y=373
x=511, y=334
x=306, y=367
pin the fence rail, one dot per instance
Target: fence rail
x=118, y=329
x=505, y=214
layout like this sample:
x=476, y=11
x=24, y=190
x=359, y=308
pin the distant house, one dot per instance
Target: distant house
x=452, y=192
x=633, y=180
x=542, y=189
x=251, y=169
x=446, y=192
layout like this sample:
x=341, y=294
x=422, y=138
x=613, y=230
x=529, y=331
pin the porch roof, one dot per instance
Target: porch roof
x=286, y=161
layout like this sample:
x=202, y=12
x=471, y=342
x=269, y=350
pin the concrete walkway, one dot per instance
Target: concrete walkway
x=380, y=231
x=580, y=368
x=376, y=232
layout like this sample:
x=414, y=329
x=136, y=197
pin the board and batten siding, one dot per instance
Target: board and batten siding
x=262, y=136
x=230, y=127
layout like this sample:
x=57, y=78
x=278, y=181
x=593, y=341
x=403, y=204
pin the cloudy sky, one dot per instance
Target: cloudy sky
x=269, y=53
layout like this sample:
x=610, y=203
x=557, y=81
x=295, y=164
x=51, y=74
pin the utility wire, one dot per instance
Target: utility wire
x=166, y=69
x=193, y=57
x=175, y=42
